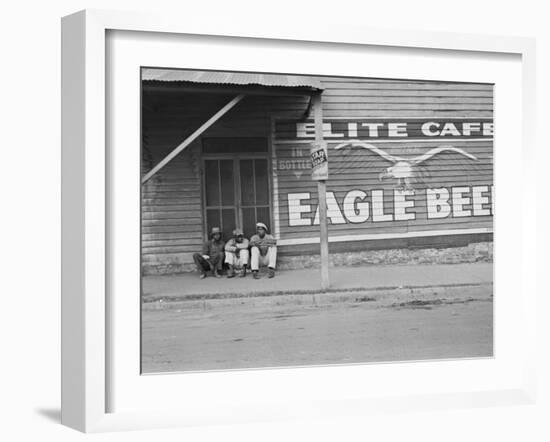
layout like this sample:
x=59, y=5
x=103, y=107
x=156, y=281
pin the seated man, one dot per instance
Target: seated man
x=212, y=255
x=264, y=251
x=236, y=253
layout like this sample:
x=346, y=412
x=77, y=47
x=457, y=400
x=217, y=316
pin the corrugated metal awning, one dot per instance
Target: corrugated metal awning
x=231, y=78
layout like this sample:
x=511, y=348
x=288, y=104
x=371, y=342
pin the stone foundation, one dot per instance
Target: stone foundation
x=474, y=252
x=477, y=252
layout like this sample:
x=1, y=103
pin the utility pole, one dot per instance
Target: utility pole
x=319, y=156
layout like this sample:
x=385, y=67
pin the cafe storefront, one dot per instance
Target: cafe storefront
x=410, y=163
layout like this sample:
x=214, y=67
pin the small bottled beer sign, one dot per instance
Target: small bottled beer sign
x=319, y=161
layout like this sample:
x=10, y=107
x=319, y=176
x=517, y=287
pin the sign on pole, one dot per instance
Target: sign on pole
x=319, y=161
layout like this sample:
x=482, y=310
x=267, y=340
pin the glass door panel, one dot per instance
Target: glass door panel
x=221, y=209
x=254, y=194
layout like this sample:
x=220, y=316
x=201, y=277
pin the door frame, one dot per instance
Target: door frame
x=237, y=184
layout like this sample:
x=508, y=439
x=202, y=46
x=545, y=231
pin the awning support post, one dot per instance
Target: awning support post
x=192, y=138
x=322, y=193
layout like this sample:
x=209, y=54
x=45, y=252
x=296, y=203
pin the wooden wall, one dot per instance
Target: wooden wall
x=172, y=224
x=358, y=169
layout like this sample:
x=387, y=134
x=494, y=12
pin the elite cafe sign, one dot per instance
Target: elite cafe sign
x=360, y=205
x=395, y=129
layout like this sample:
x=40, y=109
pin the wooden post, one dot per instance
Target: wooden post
x=322, y=193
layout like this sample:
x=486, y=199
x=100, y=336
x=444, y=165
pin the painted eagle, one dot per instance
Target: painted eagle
x=404, y=170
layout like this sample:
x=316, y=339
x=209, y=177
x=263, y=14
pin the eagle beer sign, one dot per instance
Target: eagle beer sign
x=319, y=161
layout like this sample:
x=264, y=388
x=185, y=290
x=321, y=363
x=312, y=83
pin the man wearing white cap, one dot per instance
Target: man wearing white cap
x=264, y=251
x=236, y=253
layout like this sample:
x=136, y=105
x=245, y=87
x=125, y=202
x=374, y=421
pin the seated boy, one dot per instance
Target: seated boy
x=212, y=256
x=236, y=253
x=264, y=251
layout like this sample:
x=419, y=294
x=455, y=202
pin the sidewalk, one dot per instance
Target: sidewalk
x=189, y=286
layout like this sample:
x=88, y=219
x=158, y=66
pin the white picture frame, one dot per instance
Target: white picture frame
x=86, y=212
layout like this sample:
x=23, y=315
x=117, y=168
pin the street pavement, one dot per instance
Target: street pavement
x=372, y=314
x=228, y=337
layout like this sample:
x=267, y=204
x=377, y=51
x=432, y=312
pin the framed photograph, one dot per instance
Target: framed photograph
x=268, y=224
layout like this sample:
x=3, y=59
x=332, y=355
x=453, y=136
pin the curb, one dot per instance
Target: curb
x=398, y=297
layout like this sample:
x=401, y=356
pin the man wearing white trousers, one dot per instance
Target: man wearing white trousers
x=263, y=250
x=236, y=253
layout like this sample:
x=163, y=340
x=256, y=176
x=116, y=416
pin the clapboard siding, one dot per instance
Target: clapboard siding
x=388, y=100
x=178, y=220
x=380, y=98
x=393, y=114
x=172, y=208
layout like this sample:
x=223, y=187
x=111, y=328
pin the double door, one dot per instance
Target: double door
x=237, y=193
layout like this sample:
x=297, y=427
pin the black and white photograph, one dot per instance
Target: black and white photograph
x=304, y=220
x=275, y=221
